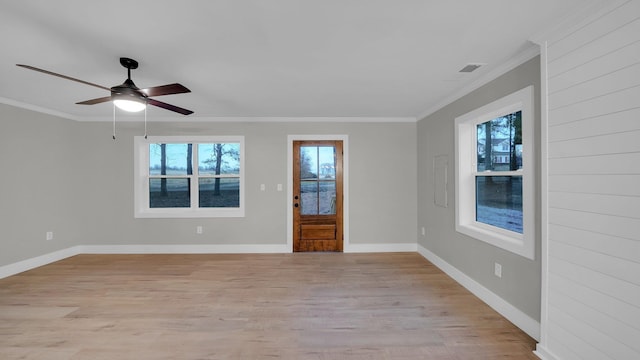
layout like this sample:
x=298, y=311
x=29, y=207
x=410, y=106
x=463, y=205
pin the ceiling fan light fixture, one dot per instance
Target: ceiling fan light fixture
x=129, y=105
x=126, y=98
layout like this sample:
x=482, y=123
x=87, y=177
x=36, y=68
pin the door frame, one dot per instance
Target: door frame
x=345, y=184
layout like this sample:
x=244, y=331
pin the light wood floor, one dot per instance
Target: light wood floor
x=285, y=306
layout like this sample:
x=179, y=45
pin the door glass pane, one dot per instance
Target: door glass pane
x=216, y=159
x=326, y=160
x=327, y=198
x=219, y=192
x=499, y=143
x=499, y=201
x=170, y=159
x=309, y=197
x=308, y=162
x=318, y=173
x=169, y=193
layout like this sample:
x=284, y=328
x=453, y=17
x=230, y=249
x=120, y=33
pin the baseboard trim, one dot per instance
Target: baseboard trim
x=372, y=248
x=28, y=264
x=186, y=249
x=232, y=249
x=544, y=354
x=517, y=317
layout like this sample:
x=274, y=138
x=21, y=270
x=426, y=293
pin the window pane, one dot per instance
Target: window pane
x=309, y=197
x=170, y=159
x=327, y=197
x=499, y=143
x=308, y=162
x=219, y=192
x=499, y=201
x=326, y=159
x=216, y=159
x=169, y=193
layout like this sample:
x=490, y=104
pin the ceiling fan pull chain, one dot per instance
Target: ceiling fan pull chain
x=114, y=121
x=145, y=122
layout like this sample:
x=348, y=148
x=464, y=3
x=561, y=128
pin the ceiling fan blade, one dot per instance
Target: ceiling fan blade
x=165, y=90
x=62, y=76
x=169, y=107
x=95, y=101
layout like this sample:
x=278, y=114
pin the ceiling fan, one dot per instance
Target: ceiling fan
x=128, y=96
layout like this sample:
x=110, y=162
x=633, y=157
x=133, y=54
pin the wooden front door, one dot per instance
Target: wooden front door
x=317, y=195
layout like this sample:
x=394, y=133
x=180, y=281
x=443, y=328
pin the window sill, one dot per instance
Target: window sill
x=504, y=239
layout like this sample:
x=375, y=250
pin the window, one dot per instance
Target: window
x=196, y=176
x=499, y=182
x=494, y=181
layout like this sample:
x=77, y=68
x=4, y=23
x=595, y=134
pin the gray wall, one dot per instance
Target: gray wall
x=86, y=193
x=38, y=160
x=520, y=282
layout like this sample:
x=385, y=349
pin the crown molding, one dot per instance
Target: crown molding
x=263, y=119
x=125, y=118
x=39, y=109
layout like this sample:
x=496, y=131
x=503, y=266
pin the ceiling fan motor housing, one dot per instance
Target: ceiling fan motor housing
x=128, y=91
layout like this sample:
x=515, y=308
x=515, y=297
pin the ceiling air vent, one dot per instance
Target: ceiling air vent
x=470, y=68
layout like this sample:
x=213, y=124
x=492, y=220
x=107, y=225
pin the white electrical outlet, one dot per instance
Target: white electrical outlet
x=198, y=229
x=422, y=231
x=262, y=187
x=49, y=235
x=279, y=187
x=497, y=270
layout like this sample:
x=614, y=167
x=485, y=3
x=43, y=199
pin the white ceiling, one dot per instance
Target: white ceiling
x=260, y=58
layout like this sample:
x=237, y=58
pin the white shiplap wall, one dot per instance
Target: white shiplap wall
x=591, y=305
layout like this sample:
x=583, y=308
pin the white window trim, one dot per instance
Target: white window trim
x=466, y=158
x=141, y=182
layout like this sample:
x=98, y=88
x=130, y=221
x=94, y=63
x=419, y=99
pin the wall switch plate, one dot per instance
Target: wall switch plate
x=262, y=187
x=49, y=235
x=497, y=270
x=198, y=229
x=279, y=187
